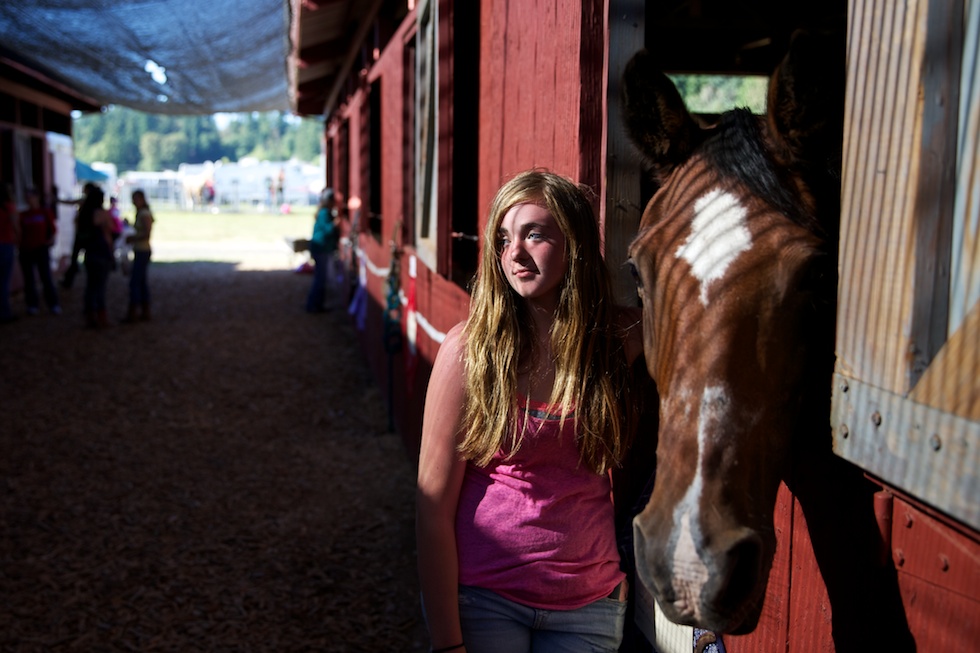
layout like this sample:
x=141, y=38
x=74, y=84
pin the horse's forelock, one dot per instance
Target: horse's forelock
x=737, y=151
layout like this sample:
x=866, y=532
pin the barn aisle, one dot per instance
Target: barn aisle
x=218, y=479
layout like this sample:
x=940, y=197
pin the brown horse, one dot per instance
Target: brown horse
x=735, y=267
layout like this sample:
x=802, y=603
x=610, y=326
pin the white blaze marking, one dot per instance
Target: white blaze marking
x=718, y=236
x=690, y=572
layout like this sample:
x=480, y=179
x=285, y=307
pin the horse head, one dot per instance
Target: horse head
x=733, y=265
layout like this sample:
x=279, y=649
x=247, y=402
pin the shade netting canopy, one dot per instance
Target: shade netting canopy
x=160, y=56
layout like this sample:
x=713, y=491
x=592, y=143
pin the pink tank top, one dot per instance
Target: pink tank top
x=538, y=528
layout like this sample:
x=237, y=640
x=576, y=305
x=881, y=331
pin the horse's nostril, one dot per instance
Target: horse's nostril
x=639, y=550
x=743, y=563
x=647, y=561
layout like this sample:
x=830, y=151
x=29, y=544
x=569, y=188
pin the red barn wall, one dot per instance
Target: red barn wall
x=536, y=84
x=401, y=377
x=540, y=97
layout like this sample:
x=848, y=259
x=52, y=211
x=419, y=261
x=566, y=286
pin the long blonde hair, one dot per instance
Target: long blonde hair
x=590, y=362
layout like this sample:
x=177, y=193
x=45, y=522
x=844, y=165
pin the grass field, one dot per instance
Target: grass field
x=250, y=240
x=172, y=226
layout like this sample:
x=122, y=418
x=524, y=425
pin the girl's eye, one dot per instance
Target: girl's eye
x=534, y=235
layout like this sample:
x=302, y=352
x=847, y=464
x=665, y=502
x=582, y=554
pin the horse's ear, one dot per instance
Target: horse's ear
x=806, y=101
x=656, y=119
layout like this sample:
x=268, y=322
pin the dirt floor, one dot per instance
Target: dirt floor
x=218, y=479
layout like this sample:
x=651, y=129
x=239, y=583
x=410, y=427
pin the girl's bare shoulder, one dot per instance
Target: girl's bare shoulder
x=453, y=347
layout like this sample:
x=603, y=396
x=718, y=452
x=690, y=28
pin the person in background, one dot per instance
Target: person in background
x=68, y=279
x=51, y=201
x=37, y=232
x=523, y=421
x=323, y=247
x=95, y=227
x=9, y=237
x=116, y=215
x=139, y=289
x=117, y=231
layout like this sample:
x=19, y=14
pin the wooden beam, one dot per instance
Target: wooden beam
x=321, y=52
x=36, y=96
x=621, y=202
x=314, y=88
x=354, y=47
x=74, y=97
x=316, y=5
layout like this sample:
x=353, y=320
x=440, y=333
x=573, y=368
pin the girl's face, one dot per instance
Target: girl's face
x=532, y=253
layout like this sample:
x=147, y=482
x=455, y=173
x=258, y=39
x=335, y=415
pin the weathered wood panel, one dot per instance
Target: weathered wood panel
x=906, y=392
x=621, y=203
x=951, y=382
x=899, y=180
x=965, y=283
x=928, y=453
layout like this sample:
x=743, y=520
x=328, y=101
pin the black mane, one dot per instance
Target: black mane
x=737, y=151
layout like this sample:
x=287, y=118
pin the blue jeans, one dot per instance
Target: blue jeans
x=322, y=267
x=493, y=624
x=96, y=278
x=6, y=270
x=139, y=289
x=38, y=259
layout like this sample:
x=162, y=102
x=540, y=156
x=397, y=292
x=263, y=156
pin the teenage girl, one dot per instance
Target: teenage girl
x=522, y=424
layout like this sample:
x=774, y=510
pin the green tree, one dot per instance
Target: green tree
x=141, y=141
x=174, y=150
x=719, y=93
x=305, y=140
x=150, y=150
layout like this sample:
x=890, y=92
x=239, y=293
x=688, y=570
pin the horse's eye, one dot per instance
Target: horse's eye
x=635, y=273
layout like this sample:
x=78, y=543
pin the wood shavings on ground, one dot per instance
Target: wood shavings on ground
x=218, y=479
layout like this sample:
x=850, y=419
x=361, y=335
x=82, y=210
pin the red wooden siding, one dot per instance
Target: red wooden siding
x=939, y=576
x=531, y=90
x=530, y=103
x=440, y=302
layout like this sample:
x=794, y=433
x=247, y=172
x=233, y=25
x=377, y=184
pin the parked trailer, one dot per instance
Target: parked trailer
x=454, y=97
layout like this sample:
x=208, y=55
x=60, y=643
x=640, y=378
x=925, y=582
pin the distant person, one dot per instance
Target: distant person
x=37, y=232
x=95, y=227
x=323, y=248
x=139, y=289
x=116, y=215
x=208, y=193
x=68, y=279
x=51, y=201
x=117, y=230
x=9, y=236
